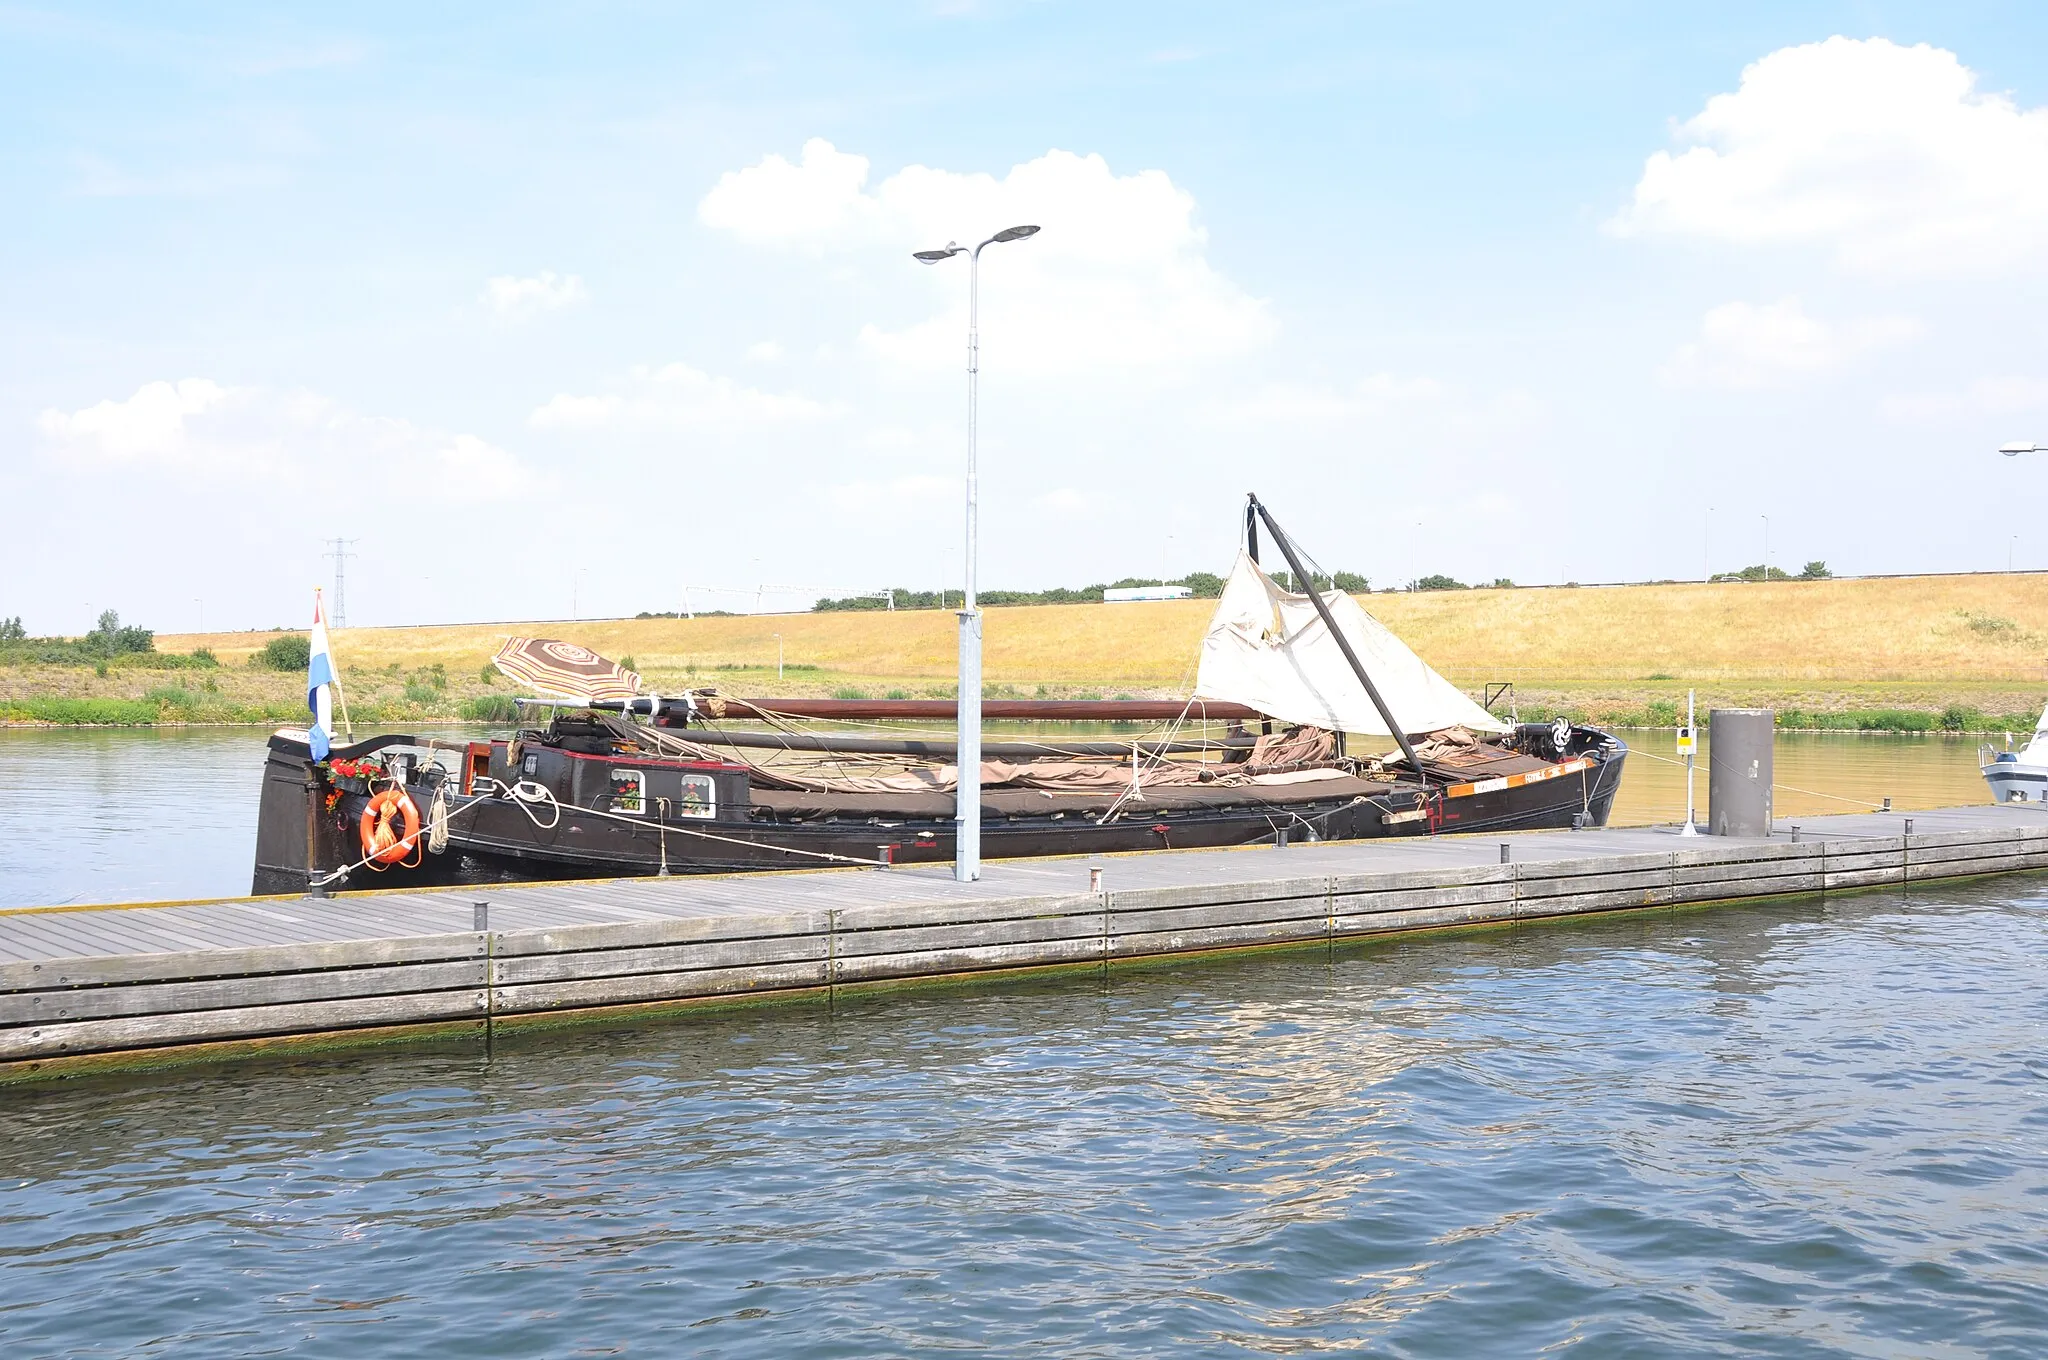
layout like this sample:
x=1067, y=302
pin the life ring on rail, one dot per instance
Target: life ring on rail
x=380, y=844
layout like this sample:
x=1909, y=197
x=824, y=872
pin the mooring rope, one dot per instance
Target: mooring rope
x=1811, y=793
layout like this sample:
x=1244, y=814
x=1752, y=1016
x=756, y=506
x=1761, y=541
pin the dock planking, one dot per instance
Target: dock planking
x=90, y=987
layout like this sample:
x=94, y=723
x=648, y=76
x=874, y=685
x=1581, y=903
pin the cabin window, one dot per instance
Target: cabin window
x=629, y=792
x=699, y=797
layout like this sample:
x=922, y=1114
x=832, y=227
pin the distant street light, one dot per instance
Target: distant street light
x=2015, y=450
x=967, y=795
x=1767, y=546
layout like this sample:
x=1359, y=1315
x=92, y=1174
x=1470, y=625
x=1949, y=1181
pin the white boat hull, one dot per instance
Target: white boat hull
x=2015, y=780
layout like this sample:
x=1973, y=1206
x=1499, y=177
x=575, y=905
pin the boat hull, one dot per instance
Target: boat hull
x=2016, y=781
x=493, y=837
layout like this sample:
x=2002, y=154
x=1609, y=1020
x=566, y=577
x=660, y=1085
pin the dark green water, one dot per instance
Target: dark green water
x=1798, y=1129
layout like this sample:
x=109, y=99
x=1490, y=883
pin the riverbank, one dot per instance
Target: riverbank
x=1953, y=653
x=67, y=697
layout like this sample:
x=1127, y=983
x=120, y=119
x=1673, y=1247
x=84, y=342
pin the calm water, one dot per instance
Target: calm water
x=1799, y=1129
x=113, y=816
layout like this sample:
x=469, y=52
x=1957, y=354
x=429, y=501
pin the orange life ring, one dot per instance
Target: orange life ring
x=379, y=842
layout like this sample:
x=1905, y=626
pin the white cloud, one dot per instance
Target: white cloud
x=1749, y=345
x=1119, y=277
x=1887, y=155
x=280, y=440
x=678, y=397
x=149, y=426
x=517, y=298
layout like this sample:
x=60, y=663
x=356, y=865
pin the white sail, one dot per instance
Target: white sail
x=1268, y=649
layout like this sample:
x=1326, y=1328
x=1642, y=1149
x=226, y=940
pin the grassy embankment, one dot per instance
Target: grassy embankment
x=1966, y=652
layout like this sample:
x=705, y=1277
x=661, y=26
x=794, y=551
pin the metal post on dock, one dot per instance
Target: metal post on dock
x=1688, y=746
x=1739, y=771
x=480, y=922
x=967, y=763
x=1506, y=852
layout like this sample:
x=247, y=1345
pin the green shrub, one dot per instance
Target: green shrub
x=489, y=674
x=172, y=698
x=491, y=708
x=291, y=652
x=626, y=663
x=419, y=694
x=1992, y=626
x=849, y=692
x=201, y=660
x=93, y=712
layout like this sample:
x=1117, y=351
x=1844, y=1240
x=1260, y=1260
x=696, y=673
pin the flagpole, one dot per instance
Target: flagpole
x=348, y=728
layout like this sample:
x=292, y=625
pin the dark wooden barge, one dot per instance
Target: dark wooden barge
x=574, y=799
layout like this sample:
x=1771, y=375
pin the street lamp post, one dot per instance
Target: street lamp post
x=967, y=795
x=1767, y=548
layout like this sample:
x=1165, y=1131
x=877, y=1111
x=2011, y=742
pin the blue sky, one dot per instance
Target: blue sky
x=591, y=303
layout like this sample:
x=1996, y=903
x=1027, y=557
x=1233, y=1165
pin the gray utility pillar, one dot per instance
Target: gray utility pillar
x=1739, y=771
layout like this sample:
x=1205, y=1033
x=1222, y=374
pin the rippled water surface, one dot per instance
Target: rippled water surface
x=1795, y=1129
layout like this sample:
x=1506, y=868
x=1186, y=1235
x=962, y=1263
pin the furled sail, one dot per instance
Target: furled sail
x=1268, y=649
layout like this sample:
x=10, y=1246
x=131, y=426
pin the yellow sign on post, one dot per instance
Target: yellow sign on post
x=1688, y=741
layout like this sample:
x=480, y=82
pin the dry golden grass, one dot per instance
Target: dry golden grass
x=1973, y=629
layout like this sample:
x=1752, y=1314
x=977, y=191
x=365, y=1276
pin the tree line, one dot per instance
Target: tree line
x=1202, y=585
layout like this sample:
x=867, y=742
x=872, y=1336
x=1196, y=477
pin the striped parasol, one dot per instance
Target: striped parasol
x=564, y=670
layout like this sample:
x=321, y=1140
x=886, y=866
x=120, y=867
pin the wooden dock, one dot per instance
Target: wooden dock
x=91, y=987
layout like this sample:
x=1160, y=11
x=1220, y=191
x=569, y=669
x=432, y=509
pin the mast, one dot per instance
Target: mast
x=1308, y=584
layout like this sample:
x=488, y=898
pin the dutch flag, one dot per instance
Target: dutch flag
x=319, y=682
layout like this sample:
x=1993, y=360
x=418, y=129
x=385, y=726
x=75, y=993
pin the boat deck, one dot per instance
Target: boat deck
x=93, y=986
